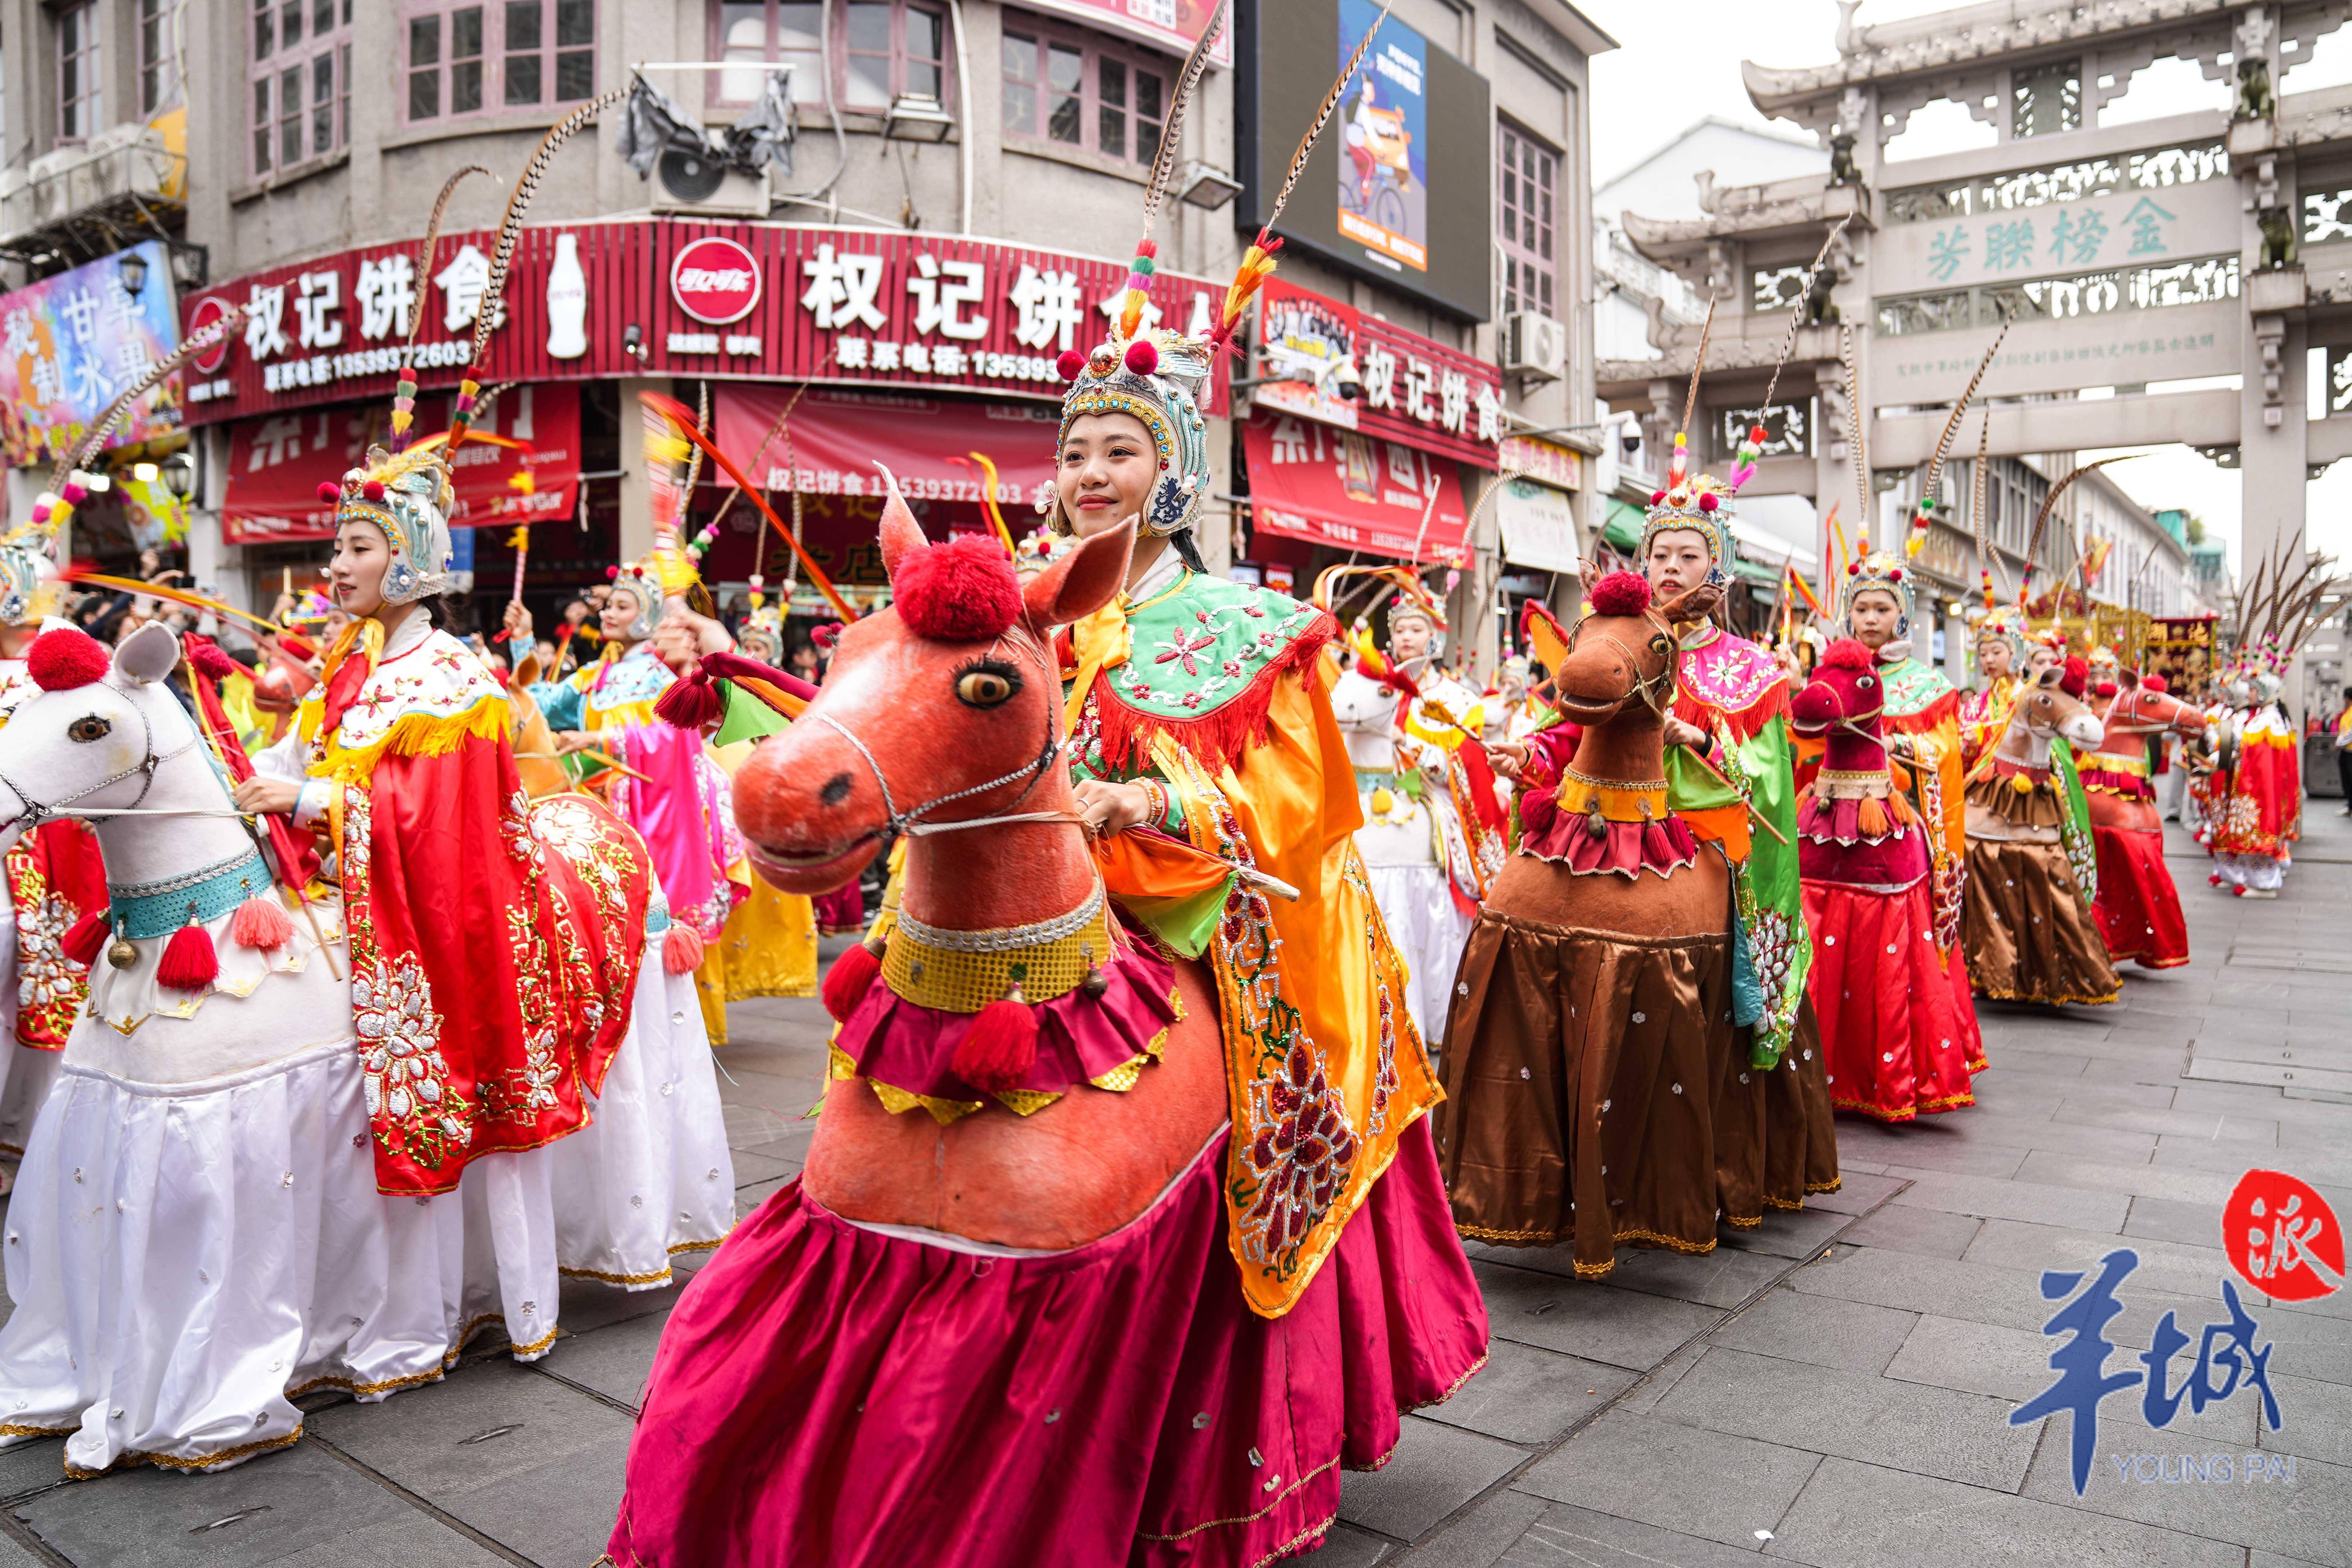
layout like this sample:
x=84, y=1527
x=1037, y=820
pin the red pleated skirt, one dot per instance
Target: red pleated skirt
x=827, y=1396
x=2138, y=908
x=1897, y=1020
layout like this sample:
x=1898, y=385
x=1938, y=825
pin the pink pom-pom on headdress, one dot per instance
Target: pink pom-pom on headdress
x=373, y=489
x=1707, y=502
x=1847, y=654
x=962, y=590
x=330, y=492
x=1142, y=357
x=1620, y=594
x=1071, y=365
x=73, y=493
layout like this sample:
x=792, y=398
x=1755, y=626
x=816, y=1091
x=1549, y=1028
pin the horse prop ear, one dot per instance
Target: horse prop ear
x=147, y=655
x=1692, y=603
x=1081, y=582
x=901, y=534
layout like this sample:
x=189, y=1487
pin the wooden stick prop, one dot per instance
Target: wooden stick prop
x=682, y=418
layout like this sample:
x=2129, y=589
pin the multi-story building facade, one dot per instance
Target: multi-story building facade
x=887, y=277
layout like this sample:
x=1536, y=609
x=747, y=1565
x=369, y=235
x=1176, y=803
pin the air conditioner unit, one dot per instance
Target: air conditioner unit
x=700, y=186
x=1534, y=345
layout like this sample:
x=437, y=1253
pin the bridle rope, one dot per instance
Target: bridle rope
x=38, y=812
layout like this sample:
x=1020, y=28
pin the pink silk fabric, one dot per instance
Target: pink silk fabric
x=830, y=1397
x=683, y=812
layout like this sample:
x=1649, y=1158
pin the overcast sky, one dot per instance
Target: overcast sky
x=1679, y=62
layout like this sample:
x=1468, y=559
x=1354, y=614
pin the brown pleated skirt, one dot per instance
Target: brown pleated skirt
x=1581, y=1072
x=1775, y=1130
x=2028, y=935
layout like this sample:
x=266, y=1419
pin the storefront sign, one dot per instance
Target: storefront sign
x=837, y=443
x=855, y=307
x=1170, y=25
x=277, y=464
x=72, y=343
x=1547, y=462
x=1330, y=486
x=1538, y=528
x=1409, y=388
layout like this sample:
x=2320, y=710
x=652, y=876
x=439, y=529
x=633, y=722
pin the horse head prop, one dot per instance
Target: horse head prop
x=1845, y=702
x=2145, y=707
x=940, y=714
x=98, y=732
x=2047, y=707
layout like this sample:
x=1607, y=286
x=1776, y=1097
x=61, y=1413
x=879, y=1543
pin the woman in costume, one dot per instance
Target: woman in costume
x=1774, y=1135
x=755, y=940
x=2257, y=818
x=1998, y=632
x=1870, y=1014
x=55, y=877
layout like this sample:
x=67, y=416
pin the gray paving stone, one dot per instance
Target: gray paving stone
x=2138, y=1178
x=1854, y=1515
x=1724, y=1278
x=590, y=1305
x=2315, y=1420
x=611, y=1361
x=12, y=1555
x=1801, y=1233
x=2044, y=1135
x=749, y=1198
x=1818, y=1331
x=1919, y=1149
x=2305, y=1518
x=1347, y=1548
x=401, y=1544
x=1931, y=1233
x=435, y=1441
x=1911, y=1426
x=561, y=1513
x=1709, y=1484
x=2049, y=1064
x=297, y=1500
x=1568, y=1537
x=1436, y=1469
x=1860, y=1192
x=2167, y=1266
x=1644, y=1396
x=1916, y=1283
x=1621, y=1328
x=1524, y=1394
x=2141, y=1118
x=2168, y=1219
x=2317, y=1166
x=28, y=1467
x=1486, y=1535
x=2014, y=1365
x=2017, y=1200
x=751, y=1169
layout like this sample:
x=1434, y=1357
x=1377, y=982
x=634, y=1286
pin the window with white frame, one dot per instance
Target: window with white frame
x=468, y=58
x=299, y=81
x=1082, y=92
x=79, y=100
x=159, y=41
x=880, y=49
x=1530, y=177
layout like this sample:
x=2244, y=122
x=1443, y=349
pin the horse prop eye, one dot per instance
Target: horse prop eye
x=90, y=727
x=1864, y=682
x=1662, y=643
x=987, y=685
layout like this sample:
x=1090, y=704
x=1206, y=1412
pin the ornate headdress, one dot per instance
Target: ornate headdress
x=1157, y=376
x=28, y=583
x=2006, y=621
x=664, y=572
x=1889, y=576
x=408, y=495
x=1697, y=504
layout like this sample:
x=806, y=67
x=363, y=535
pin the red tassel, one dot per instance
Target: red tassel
x=189, y=961
x=691, y=703
x=86, y=937
x=682, y=950
x=1000, y=1047
x=1539, y=809
x=262, y=924
x=846, y=982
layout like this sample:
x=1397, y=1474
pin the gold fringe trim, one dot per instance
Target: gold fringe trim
x=1252, y=1518
x=174, y=1462
x=658, y=1277
x=17, y=1429
x=362, y=1390
x=1295, y=1542
x=417, y=735
x=538, y=1344
x=1749, y=1224
x=711, y=1246
x=2051, y=1001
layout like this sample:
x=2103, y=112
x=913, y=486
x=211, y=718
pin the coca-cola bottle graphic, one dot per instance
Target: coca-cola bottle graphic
x=567, y=301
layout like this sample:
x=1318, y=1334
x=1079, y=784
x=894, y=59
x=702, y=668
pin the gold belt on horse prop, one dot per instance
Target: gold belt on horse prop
x=1614, y=800
x=964, y=970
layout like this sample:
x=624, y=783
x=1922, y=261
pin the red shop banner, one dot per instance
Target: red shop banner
x=1413, y=389
x=671, y=297
x=837, y=443
x=1347, y=490
x=277, y=464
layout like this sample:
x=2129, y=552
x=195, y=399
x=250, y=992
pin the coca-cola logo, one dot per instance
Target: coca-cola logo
x=715, y=280
x=208, y=310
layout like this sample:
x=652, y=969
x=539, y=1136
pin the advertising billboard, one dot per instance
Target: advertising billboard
x=1398, y=189
x=1334, y=365
x=69, y=344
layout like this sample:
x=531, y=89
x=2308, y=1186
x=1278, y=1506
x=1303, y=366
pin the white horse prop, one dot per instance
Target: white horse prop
x=196, y=1235
x=1413, y=844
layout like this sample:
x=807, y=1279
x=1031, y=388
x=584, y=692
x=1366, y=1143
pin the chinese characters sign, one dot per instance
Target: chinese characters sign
x=764, y=302
x=2126, y=228
x=834, y=440
x=2283, y=1238
x=72, y=343
x=1413, y=389
x=1347, y=490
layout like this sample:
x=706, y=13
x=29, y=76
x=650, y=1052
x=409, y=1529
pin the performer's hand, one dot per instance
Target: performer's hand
x=517, y=623
x=1681, y=734
x=272, y=796
x=684, y=638
x=1508, y=758
x=1111, y=808
x=570, y=741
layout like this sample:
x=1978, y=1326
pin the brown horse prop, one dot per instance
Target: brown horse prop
x=1592, y=1013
